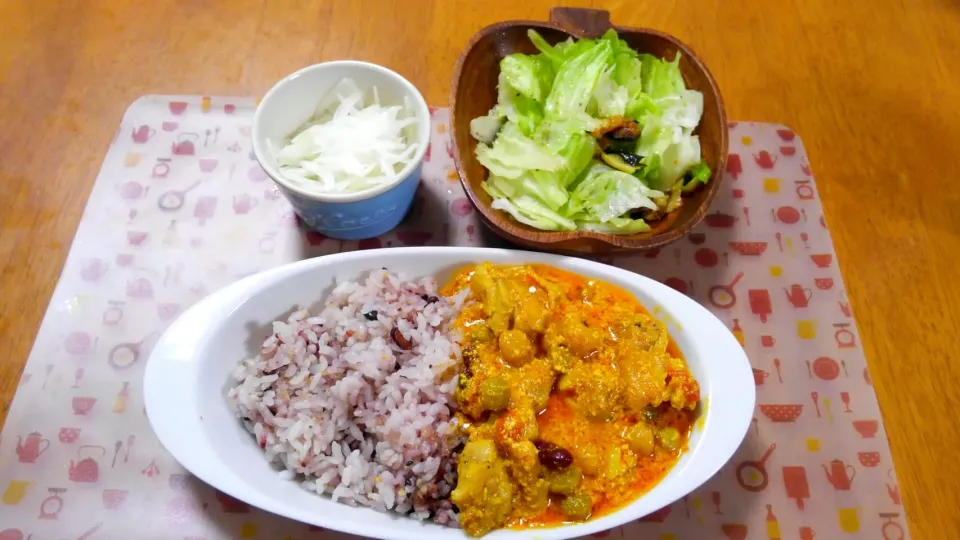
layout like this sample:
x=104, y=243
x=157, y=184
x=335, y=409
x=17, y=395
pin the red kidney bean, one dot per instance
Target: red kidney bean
x=553, y=456
x=401, y=341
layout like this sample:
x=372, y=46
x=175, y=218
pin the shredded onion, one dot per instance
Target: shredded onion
x=348, y=146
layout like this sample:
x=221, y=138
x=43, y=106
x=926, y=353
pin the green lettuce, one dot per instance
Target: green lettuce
x=542, y=159
x=575, y=82
x=531, y=76
x=513, y=153
x=606, y=193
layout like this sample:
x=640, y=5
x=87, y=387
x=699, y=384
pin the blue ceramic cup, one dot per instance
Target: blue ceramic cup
x=344, y=216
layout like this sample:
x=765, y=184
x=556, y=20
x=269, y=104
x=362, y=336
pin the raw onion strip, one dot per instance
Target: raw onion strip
x=347, y=145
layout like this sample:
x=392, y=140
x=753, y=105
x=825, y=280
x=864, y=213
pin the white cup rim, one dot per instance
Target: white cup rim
x=419, y=105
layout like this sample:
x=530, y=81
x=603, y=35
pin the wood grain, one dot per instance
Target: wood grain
x=871, y=86
x=474, y=92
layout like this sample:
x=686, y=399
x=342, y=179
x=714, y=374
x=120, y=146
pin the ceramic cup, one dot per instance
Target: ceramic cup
x=344, y=216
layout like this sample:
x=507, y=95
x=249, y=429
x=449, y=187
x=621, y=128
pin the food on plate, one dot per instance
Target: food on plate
x=574, y=398
x=516, y=396
x=351, y=143
x=590, y=135
x=356, y=401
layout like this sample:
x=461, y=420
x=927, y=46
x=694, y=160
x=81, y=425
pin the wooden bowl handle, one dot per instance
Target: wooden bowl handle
x=582, y=22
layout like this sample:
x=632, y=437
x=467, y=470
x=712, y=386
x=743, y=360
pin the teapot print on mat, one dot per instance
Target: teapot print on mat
x=185, y=144
x=86, y=469
x=142, y=134
x=837, y=475
x=798, y=295
x=29, y=449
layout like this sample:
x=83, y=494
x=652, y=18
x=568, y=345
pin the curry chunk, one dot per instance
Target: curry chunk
x=495, y=296
x=561, y=359
x=651, y=379
x=683, y=391
x=644, y=378
x=587, y=456
x=484, y=492
x=534, y=382
x=532, y=314
x=516, y=347
x=646, y=333
x=517, y=424
x=483, y=286
x=467, y=395
x=580, y=338
x=595, y=387
x=524, y=467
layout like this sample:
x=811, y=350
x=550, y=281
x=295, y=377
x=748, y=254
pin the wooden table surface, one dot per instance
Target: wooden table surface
x=872, y=87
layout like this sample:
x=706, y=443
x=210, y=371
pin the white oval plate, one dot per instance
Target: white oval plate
x=188, y=374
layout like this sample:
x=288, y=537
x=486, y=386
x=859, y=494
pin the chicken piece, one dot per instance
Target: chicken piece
x=581, y=339
x=596, y=389
x=553, y=290
x=467, y=395
x=532, y=314
x=645, y=332
x=534, y=381
x=485, y=491
x=586, y=455
x=651, y=379
x=644, y=378
x=572, y=333
x=495, y=295
x=482, y=430
x=519, y=423
x=482, y=284
x=683, y=391
x=561, y=359
x=524, y=466
x=515, y=347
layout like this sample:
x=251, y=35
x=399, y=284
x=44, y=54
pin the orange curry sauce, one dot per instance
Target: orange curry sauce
x=646, y=475
x=652, y=388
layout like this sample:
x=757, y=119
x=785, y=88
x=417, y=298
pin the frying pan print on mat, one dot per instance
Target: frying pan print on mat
x=723, y=296
x=124, y=355
x=174, y=199
x=752, y=475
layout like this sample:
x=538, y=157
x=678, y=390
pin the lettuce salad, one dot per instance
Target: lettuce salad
x=590, y=135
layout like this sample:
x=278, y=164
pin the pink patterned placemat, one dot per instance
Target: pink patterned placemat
x=180, y=208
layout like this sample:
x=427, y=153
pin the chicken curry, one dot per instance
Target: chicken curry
x=573, y=398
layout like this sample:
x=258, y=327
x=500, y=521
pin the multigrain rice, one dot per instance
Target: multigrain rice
x=357, y=401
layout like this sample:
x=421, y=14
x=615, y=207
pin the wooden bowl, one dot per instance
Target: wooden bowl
x=474, y=92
